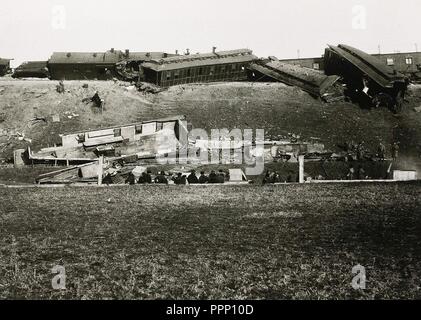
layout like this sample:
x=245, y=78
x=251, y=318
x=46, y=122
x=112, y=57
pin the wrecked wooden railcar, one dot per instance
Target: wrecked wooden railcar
x=32, y=69
x=143, y=140
x=129, y=68
x=117, y=169
x=84, y=65
x=314, y=82
x=199, y=68
x=366, y=76
x=4, y=66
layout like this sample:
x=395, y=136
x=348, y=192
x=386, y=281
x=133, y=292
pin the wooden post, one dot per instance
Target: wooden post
x=301, y=169
x=100, y=169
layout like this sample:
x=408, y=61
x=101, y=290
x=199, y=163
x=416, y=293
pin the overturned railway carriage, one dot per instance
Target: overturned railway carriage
x=314, y=82
x=143, y=140
x=197, y=68
x=367, y=75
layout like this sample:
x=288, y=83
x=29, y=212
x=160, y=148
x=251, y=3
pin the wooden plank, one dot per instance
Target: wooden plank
x=100, y=141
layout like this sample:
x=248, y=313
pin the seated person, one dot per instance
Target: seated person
x=131, y=179
x=221, y=177
x=143, y=179
x=180, y=179
x=268, y=178
x=213, y=178
x=161, y=179
x=149, y=176
x=277, y=178
x=192, y=178
x=203, y=178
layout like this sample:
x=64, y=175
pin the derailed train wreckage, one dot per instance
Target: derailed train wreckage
x=367, y=80
x=155, y=142
x=348, y=72
x=143, y=140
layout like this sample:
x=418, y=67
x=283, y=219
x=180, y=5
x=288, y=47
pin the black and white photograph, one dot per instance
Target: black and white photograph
x=194, y=151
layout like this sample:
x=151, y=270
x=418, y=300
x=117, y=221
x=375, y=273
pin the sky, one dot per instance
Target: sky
x=32, y=30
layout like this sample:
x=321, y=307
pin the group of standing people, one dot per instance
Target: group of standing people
x=359, y=151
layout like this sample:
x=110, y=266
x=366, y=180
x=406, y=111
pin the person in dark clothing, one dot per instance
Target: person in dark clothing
x=213, y=178
x=161, y=179
x=351, y=173
x=395, y=150
x=108, y=179
x=227, y=176
x=266, y=179
x=361, y=173
x=131, y=179
x=142, y=179
x=97, y=100
x=381, y=151
x=60, y=87
x=221, y=177
x=203, y=178
x=192, y=178
x=179, y=179
x=176, y=178
x=148, y=177
x=360, y=151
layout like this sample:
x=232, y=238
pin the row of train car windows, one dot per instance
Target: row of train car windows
x=202, y=71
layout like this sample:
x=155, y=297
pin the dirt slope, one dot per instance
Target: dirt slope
x=277, y=108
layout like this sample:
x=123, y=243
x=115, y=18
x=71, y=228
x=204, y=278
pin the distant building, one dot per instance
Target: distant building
x=4, y=66
x=408, y=63
x=32, y=69
x=311, y=63
x=196, y=68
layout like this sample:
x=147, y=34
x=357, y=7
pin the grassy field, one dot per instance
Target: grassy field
x=272, y=242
